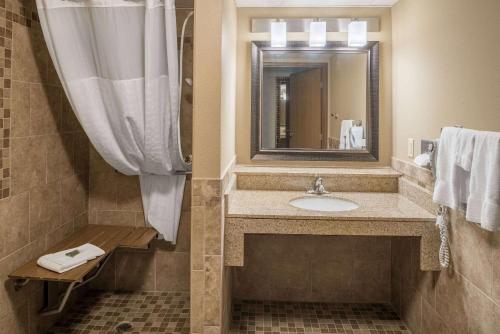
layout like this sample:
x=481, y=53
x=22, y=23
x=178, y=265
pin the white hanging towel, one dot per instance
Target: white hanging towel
x=451, y=189
x=356, y=137
x=345, y=130
x=118, y=63
x=66, y=260
x=483, y=205
x=465, y=148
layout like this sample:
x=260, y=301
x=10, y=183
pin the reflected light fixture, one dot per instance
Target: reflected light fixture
x=357, y=33
x=278, y=34
x=317, y=34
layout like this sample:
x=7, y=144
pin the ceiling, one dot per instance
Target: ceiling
x=315, y=3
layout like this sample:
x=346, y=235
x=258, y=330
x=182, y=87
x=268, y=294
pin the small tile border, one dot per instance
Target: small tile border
x=10, y=12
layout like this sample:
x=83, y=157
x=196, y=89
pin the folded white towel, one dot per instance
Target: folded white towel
x=345, y=130
x=452, y=182
x=483, y=205
x=356, y=137
x=465, y=148
x=65, y=260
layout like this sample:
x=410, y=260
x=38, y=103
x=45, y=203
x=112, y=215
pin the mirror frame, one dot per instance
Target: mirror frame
x=371, y=153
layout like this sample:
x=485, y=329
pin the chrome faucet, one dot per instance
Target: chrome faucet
x=319, y=188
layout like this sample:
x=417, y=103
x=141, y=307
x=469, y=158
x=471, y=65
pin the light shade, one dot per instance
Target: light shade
x=317, y=34
x=278, y=34
x=357, y=33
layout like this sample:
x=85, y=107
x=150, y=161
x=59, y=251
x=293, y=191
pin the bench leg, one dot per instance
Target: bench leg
x=47, y=310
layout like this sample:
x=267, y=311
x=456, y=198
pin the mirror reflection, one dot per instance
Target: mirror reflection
x=314, y=100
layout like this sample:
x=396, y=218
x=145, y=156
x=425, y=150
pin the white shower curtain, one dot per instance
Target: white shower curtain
x=117, y=60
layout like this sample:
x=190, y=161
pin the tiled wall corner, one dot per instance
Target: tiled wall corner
x=462, y=299
x=43, y=162
x=210, y=281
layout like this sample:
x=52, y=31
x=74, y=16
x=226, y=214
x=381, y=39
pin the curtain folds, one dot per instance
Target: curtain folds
x=118, y=63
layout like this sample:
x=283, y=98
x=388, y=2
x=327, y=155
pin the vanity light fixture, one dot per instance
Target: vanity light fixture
x=357, y=33
x=317, y=34
x=278, y=34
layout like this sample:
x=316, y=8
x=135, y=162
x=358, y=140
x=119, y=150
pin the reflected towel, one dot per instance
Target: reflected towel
x=345, y=130
x=356, y=137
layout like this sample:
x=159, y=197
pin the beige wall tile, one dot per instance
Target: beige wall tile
x=27, y=60
x=411, y=309
x=11, y=300
x=45, y=209
x=46, y=109
x=82, y=154
x=135, y=270
x=14, y=229
x=107, y=278
x=28, y=163
x=16, y=323
x=371, y=280
x=451, y=301
x=59, y=234
x=60, y=157
x=172, y=271
x=431, y=321
x=496, y=268
x=483, y=313
x=20, y=106
x=116, y=218
x=184, y=233
x=103, y=191
x=128, y=193
x=331, y=278
x=74, y=195
x=471, y=252
x=212, y=301
x=69, y=121
x=197, y=237
x=197, y=293
x=213, y=230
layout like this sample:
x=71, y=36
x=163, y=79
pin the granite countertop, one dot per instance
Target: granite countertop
x=372, y=206
x=315, y=171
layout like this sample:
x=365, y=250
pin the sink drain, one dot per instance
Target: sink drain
x=123, y=327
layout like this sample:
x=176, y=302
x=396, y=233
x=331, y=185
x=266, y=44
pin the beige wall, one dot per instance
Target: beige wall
x=228, y=83
x=45, y=153
x=348, y=82
x=243, y=110
x=214, y=86
x=446, y=72
x=445, y=68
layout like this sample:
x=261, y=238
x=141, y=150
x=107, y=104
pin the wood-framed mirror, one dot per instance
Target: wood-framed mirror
x=315, y=103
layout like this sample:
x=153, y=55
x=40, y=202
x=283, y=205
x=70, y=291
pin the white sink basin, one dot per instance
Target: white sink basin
x=323, y=203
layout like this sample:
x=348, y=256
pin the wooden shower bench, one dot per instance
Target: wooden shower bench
x=108, y=238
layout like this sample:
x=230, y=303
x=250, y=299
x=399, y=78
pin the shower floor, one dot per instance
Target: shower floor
x=147, y=312
x=251, y=317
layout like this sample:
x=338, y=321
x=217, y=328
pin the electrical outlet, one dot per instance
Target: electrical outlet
x=411, y=147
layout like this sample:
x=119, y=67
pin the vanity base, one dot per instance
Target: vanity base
x=236, y=228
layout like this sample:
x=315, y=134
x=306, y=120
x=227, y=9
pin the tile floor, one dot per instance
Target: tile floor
x=250, y=317
x=147, y=312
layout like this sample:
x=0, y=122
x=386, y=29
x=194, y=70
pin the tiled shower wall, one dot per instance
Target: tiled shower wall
x=462, y=299
x=44, y=162
x=115, y=199
x=339, y=269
